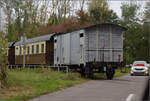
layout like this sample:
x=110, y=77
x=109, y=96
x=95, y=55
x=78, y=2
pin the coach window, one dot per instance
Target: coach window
x=37, y=49
x=17, y=51
x=28, y=52
x=42, y=48
x=32, y=49
x=7, y=51
x=20, y=50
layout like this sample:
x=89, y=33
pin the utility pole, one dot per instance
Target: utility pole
x=0, y=18
x=149, y=40
x=24, y=50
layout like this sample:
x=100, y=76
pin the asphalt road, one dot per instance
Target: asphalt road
x=127, y=88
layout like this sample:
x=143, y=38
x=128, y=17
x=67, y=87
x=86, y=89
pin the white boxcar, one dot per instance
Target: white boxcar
x=98, y=43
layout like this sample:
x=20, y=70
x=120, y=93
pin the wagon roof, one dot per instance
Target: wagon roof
x=123, y=28
x=10, y=44
x=36, y=39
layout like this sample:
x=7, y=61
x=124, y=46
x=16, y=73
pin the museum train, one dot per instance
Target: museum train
x=90, y=49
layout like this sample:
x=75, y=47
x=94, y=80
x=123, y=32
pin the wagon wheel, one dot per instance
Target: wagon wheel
x=110, y=72
x=89, y=71
x=82, y=71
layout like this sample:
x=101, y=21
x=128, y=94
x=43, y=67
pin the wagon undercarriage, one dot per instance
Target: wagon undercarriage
x=98, y=67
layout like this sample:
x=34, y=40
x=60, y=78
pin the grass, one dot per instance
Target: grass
x=125, y=71
x=118, y=73
x=29, y=83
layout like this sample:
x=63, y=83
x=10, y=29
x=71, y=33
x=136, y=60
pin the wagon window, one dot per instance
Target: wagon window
x=42, y=48
x=37, y=48
x=81, y=35
x=55, y=41
x=32, y=49
x=28, y=50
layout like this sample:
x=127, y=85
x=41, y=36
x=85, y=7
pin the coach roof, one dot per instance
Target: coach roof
x=36, y=39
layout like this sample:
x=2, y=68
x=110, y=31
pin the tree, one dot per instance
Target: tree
x=136, y=41
x=146, y=21
x=147, y=12
x=82, y=3
x=60, y=9
x=130, y=12
x=96, y=10
x=111, y=17
x=3, y=60
x=99, y=12
x=83, y=17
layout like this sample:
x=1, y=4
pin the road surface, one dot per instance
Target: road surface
x=127, y=88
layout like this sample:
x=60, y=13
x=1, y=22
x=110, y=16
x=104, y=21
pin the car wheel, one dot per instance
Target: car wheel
x=131, y=74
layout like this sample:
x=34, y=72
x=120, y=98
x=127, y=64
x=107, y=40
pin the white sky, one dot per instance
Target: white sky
x=115, y=5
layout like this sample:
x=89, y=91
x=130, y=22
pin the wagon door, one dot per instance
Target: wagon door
x=66, y=50
x=81, y=48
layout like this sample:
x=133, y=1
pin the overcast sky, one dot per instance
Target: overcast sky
x=115, y=5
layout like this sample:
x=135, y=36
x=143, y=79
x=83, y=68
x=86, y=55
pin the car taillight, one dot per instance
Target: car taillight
x=140, y=65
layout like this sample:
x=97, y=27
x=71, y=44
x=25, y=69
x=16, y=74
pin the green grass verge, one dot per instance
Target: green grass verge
x=118, y=73
x=29, y=83
x=125, y=71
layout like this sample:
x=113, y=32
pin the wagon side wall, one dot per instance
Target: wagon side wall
x=49, y=52
x=11, y=55
x=104, y=43
x=67, y=48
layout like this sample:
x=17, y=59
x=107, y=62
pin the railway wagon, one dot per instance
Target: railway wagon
x=90, y=49
x=38, y=51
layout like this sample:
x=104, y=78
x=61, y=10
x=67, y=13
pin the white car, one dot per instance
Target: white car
x=139, y=68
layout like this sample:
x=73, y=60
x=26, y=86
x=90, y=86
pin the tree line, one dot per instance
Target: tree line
x=37, y=17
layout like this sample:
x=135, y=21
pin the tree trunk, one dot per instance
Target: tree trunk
x=3, y=75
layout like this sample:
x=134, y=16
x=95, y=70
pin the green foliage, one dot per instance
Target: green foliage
x=99, y=12
x=83, y=17
x=96, y=10
x=125, y=70
x=111, y=17
x=130, y=12
x=136, y=37
x=118, y=73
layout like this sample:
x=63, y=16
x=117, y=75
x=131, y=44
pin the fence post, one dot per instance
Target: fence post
x=58, y=68
x=67, y=69
x=49, y=68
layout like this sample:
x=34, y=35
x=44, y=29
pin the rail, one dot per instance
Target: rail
x=49, y=67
